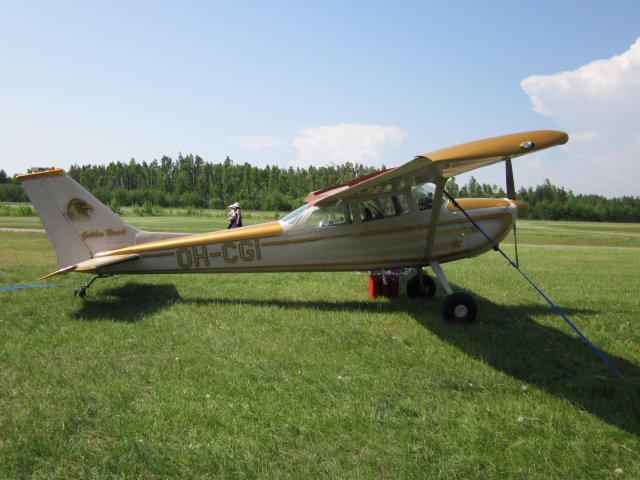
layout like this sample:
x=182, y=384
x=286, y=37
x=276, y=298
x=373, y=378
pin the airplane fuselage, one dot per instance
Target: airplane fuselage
x=319, y=239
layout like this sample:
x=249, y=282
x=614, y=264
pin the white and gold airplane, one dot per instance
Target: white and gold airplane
x=394, y=218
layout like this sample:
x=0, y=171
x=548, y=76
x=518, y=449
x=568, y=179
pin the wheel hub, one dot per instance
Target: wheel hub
x=460, y=311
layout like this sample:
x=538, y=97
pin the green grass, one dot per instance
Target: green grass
x=304, y=376
x=579, y=233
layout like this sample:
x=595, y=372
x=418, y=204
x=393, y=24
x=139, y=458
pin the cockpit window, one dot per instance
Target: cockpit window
x=293, y=217
x=383, y=207
x=331, y=216
x=389, y=206
x=402, y=203
x=371, y=210
x=424, y=195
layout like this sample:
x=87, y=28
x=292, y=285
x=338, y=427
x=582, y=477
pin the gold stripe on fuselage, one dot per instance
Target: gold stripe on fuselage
x=156, y=255
x=272, y=229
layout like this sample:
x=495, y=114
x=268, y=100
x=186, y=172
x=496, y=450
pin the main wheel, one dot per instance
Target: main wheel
x=427, y=289
x=459, y=307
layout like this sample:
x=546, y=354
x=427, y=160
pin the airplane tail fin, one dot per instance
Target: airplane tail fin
x=77, y=223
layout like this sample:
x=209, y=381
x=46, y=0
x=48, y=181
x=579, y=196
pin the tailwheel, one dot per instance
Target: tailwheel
x=421, y=285
x=459, y=307
x=80, y=292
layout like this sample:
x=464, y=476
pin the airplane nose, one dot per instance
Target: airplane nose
x=522, y=207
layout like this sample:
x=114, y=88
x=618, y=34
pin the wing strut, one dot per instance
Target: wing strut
x=557, y=309
x=435, y=216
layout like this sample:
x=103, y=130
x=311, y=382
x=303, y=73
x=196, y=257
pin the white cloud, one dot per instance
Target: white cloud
x=364, y=144
x=258, y=142
x=598, y=104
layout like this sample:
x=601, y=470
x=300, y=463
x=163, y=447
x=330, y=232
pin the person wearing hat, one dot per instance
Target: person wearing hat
x=234, y=216
x=238, y=222
x=231, y=216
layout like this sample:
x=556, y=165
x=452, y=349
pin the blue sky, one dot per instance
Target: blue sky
x=309, y=83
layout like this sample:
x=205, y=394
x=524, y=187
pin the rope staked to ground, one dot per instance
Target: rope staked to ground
x=557, y=309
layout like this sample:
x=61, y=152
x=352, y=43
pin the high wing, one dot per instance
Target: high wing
x=435, y=167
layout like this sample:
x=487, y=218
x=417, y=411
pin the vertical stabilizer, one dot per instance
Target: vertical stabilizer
x=77, y=223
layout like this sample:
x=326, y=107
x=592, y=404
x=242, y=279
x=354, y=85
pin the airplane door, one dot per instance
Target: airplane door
x=390, y=231
x=331, y=229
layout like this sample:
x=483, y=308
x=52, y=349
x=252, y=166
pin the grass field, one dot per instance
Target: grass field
x=304, y=376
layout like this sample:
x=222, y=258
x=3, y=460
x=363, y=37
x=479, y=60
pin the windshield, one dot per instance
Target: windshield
x=293, y=217
x=331, y=215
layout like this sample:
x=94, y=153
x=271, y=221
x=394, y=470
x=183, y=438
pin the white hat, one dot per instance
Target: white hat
x=236, y=205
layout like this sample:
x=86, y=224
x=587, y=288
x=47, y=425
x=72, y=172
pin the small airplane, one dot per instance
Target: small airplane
x=395, y=218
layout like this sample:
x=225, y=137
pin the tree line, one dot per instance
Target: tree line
x=189, y=181
x=549, y=202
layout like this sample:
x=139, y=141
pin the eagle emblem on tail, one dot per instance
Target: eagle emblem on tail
x=78, y=210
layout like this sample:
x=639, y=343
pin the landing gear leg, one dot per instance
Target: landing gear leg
x=458, y=307
x=81, y=291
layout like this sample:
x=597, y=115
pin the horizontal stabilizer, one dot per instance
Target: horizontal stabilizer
x=92, y=265
x=71, y=268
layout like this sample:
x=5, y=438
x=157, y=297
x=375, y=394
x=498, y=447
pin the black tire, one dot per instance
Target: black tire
x=415, y=290
x=459, y=307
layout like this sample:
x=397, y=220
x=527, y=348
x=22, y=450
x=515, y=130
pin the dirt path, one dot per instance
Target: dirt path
x=570, y=230
x=552, y=245
x=22, y=230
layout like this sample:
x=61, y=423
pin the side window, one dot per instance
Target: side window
x=383, y=207
x=371, y=210
x=389, y=206
x=402, y=204
x=330, y=216
x=424, y=196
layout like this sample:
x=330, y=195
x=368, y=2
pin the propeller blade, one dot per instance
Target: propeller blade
x=511, y=195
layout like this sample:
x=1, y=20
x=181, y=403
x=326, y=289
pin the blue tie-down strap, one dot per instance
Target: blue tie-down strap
x=557, y=309
x=20, y=287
